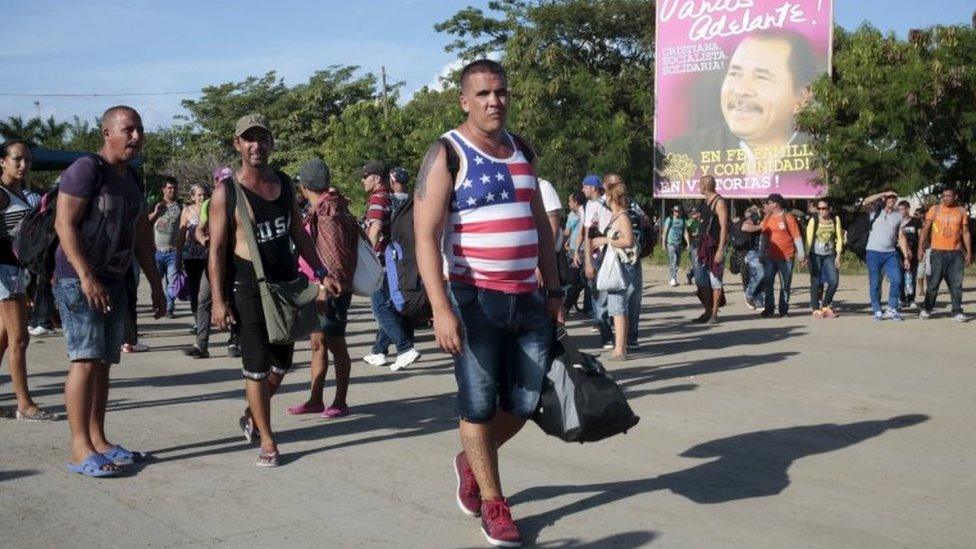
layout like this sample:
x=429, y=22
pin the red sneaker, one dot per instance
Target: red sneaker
x=468, y=492
x=497, y=524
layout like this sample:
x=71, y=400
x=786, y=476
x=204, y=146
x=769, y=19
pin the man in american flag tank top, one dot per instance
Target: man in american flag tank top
x=485, y=230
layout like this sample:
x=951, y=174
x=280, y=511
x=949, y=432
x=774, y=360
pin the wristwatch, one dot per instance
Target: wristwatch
x=321, y=273
x=557, y=293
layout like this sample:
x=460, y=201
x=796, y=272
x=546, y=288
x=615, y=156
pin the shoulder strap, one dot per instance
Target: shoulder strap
x=453, y=159
x=527, y=150
x=244, y=212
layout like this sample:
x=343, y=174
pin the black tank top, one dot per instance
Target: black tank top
x=709, y=223
x=272, y=230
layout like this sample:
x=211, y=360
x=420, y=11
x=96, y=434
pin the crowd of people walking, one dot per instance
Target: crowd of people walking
x=500, y=261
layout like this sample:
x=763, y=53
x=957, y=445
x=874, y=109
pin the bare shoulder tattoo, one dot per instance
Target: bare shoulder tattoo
x=425, y=167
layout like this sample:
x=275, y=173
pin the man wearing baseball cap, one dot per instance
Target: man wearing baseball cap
x=785, y=245
x=277, y=226
x=392, y=329
x=336, y=236
x=398, y=184
x=596, y=214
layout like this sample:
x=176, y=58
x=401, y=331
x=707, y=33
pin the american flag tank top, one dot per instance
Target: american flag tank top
x=490, y=238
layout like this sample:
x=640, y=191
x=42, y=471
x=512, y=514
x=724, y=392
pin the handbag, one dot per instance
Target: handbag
x=178, y=287
x=289, y=307
x=610, y=278
x=579, y=401
x=369, y=272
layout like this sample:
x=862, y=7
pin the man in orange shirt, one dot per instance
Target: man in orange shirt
x=948, y=225
x=784, y=243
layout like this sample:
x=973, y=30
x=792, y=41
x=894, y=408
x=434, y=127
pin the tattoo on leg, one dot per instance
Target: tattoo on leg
x=428, y=163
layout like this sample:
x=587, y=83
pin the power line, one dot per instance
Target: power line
x=123, y=94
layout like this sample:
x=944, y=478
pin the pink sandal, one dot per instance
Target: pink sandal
x=333, y=412
x=268, y=459
x=305, y=408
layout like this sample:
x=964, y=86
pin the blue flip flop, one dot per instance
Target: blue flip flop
x=92, y=467
x=120, y=456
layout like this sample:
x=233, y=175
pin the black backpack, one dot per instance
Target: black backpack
x=406, y=287
x=37, y=240
x=644, y=239
x=858, y=231
x=580, y=402
x=741, y=240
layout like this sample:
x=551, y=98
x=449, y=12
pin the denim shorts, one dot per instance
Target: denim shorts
x=618, y=300
x=89, y=335
x=504, y=356
x=333, y=323
x=13, y=282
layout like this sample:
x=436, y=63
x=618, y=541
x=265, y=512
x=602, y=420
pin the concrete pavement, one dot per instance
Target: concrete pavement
x=757, y=432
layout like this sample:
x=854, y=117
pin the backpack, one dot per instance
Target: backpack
x=580, y=402
x=36, y=240
x=644, y=240
x=741, y=240
x=402, y=275
x=858, y=231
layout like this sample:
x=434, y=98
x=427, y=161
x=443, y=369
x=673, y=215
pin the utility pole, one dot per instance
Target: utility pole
x=37, y=106
x=386, y=106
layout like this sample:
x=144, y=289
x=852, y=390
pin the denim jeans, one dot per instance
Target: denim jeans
x=634, y=303
x=167, y=267
x=886, y=262
x=948, y=266
x=391, y=329
x=90, y=335
x=772, y=267
x=674, y=260
x=823, y=271
x=754, y=289
x=600, y=316
x=504, y=353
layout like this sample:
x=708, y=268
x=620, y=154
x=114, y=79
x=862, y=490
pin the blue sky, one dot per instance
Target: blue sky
x=103, y=46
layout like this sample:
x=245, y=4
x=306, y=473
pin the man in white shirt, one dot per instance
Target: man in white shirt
x=596, y=217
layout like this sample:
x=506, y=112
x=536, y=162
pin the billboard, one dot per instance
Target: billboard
x=730, y=76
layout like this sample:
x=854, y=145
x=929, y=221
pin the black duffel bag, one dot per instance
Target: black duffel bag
x=580, y=402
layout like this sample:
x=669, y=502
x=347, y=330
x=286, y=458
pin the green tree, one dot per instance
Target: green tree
x=896, y=112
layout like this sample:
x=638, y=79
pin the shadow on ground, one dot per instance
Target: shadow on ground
x=745, y=466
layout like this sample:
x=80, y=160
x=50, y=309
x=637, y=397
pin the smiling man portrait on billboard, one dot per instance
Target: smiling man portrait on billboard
x=727, y=105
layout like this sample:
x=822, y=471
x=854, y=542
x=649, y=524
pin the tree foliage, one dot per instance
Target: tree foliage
x=897, y=113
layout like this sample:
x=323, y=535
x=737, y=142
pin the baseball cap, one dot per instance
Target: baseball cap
x=777, y=199
x=374, y=167
x=593, y=180
x=249, y=121
x=399, y=175
x=315, y=175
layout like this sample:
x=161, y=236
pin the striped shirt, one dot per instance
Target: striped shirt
x=491, y=239
x=16, y=209
x=379, y=209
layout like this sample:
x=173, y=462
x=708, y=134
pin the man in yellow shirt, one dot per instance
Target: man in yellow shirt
x=948, y=225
